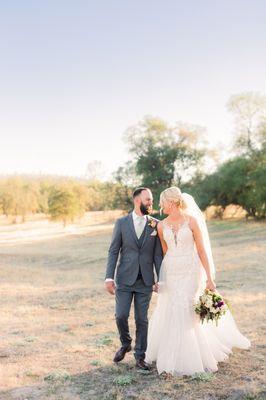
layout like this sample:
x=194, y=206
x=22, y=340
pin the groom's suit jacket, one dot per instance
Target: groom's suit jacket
x=127, y=254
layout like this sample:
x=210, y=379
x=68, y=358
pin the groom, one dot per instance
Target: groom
x=136, y=241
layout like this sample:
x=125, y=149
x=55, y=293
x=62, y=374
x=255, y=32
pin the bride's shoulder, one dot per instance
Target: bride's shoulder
x=190, y=219
x=160, y=224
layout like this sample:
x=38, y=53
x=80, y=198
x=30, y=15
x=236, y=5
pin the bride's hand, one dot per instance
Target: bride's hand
x=210, y=285
x=155, y=287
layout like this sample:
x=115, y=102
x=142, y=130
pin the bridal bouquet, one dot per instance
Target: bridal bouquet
x=211, y=306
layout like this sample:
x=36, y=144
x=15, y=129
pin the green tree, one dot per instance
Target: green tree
x=126, y=175
x=164, y=154
x=254, y=198
x=241, y=180
x=64, y=204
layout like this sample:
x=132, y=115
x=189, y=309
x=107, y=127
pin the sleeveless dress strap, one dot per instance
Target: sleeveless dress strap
x=186, y=217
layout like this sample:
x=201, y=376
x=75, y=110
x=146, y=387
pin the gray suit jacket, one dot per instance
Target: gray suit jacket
x=125, y=256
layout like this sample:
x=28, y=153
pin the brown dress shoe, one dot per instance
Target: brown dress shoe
x=141, y=364
x=120, y=354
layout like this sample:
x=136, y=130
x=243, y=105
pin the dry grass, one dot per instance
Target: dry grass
x=58, y=333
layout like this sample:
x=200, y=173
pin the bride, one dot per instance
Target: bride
x=177, y=340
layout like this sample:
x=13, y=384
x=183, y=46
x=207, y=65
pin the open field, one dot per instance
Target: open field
x=58, y=332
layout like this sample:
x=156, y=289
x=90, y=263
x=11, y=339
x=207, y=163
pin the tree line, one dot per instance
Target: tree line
x=164, y=155
x=62, y=199
x=161, y=155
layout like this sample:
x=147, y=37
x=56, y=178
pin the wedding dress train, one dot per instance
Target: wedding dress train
x=177, y=340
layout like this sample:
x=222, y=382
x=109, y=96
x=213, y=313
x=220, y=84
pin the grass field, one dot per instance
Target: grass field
x=58, y=333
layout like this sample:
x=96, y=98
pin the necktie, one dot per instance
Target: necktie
x=139, y=226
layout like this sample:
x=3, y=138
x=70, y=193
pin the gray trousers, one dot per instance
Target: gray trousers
x=123, y=298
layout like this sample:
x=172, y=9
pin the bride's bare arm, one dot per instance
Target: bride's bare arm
x=201, y=251
x=160, y=234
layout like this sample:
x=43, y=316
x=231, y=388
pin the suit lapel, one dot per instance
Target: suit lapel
x=132, y=228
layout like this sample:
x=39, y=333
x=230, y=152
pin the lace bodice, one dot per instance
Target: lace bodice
x=180, y=242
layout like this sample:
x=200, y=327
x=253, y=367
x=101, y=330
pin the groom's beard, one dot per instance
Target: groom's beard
x=145, y=210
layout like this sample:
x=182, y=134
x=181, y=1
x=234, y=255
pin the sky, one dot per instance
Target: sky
x=74, y=75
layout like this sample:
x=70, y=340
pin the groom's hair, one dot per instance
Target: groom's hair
x=138, y=190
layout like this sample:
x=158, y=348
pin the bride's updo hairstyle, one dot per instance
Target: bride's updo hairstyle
x=173, y=194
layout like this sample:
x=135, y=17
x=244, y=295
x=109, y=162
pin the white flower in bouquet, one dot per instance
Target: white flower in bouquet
x=211, y=306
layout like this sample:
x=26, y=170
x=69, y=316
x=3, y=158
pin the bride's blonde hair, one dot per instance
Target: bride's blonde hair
x=173, y=194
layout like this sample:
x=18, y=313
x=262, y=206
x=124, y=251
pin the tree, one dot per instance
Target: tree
x=64, y=203
x=249, y=112
x=203, y=188
x=19, y=197
x=126, y=175
x=44, y=191
x=254, y=198
x=95, y=171
x=164, y=154
x=241, y=180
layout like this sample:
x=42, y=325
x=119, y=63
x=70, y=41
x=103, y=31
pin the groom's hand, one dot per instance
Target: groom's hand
x=110, y=287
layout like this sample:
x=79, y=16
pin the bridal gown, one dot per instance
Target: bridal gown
x=177, y=340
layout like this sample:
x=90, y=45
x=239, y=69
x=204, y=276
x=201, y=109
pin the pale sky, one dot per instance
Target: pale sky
x=75, y=74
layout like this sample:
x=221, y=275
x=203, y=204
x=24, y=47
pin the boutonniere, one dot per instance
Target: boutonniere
x=152, y=223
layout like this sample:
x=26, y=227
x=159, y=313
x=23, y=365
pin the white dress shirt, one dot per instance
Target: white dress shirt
x=139, y=224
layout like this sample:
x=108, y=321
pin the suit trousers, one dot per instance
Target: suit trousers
x=124, y=296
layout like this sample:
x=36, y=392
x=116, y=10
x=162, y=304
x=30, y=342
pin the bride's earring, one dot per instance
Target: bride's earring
x=161, y=211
